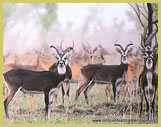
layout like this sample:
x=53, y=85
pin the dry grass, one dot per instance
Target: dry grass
x=27, y=109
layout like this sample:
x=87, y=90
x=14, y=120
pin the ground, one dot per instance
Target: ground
x=27, y=109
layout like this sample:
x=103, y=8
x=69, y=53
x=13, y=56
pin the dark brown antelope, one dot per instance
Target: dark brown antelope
x=65, y=85
x=148, y=79
x=36, y=82
x=15, y=65
x=104, y=74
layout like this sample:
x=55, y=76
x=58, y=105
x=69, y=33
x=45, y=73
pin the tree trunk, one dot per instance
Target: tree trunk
x=150, y=20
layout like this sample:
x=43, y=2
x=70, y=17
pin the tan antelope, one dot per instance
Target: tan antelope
x=37, y=60
x=94, y=56
x=135, y=68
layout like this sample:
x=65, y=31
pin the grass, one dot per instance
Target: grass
x=27, y=109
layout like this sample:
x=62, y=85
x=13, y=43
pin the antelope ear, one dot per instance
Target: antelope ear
x=85, y=48
x=69, y=53
x=155, y=51
x=119, y=50
x=95, y=49
x=129, y=50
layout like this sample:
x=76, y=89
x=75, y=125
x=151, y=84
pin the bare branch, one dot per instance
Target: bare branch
x=138, y=15
x=145, y=8
x=149, y=39
x=141, y=12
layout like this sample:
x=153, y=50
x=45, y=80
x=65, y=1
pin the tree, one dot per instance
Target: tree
x=49, y=17
x=147, y=16
x=8, y=10
x=151, y=20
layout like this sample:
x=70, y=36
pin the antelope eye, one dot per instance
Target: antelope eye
x=57, y=57
x=146, y=55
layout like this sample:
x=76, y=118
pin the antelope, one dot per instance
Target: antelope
x=72, y=77
x=148, y=79
x=135, y=67
x=92, y=58
x=39, y=60
x=103, y=74
x=68, y=77
x=15, y=65
x=37, y=82
x=130, y=89
x=98, y=58
x=134, y=70
x=10, y=58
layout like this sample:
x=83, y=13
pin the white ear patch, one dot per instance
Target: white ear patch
x=119, y=50
x=69, y=53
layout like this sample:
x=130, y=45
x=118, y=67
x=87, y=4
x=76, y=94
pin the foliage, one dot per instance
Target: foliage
x=146, y=14
x=49, y=16
x=8, y=10
x=155, y=9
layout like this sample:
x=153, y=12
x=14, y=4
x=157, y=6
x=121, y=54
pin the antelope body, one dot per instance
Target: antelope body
x=148, y=80
x=36, y=82
x=103, y=74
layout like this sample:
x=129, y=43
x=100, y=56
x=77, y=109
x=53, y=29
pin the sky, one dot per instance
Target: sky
x=76, y=13
x=24, y=34
x=111, y=13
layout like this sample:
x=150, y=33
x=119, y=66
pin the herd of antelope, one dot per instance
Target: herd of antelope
x=139, y=80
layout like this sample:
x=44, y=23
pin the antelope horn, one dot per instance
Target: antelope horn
x=55, y=49
x=142, y=45
x=119, y=46
x=84, y=47
x=70, y=48
x=88, y=45
x=73, y=44
x=156, y=43
x=61, y=45
x=95, y=49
